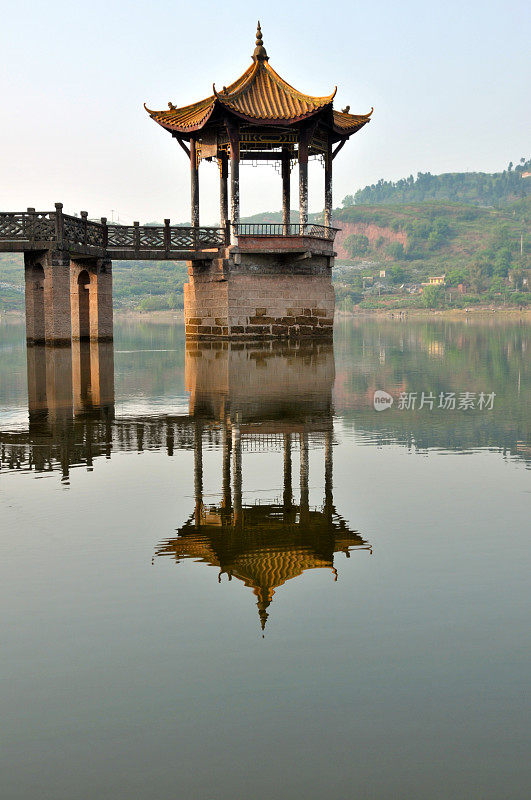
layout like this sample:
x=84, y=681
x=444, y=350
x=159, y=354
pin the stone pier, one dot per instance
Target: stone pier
x=47, y=282
x=67, y=299
x=257, y=295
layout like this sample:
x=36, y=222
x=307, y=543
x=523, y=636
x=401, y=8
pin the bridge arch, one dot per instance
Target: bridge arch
x=83, y=305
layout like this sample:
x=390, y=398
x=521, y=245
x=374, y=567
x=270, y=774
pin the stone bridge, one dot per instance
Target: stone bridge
x=33, y=230
x=251, y=281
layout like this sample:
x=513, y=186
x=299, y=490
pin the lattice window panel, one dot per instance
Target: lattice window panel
x=94, y=234
x=12, y=226
x=121, y=236
x=74, y=230
x=182, y=238
x=152, y=237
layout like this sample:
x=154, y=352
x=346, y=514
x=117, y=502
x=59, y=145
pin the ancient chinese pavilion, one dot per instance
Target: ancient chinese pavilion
x=270, y=280
x=260, y=117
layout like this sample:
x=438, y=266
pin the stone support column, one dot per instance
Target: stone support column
x=194, y=178
x=34, y=277
x=328, y=185
x=286, y=199
x=57, y=318
x=101, y=313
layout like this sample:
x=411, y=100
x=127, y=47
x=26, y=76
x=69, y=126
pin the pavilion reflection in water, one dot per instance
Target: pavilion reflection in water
x=279, y=399
x=243, y=397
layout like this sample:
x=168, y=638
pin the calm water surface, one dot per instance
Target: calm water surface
x=225, y=575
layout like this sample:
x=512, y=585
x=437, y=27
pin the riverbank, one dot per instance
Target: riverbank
x=444, y=313
x=478, y=313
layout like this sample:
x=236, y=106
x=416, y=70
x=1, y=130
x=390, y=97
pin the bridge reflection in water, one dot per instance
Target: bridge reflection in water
x=242, y=398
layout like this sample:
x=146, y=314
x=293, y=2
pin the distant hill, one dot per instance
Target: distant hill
x=472, y=243
x=475, y=188
x=433, y=236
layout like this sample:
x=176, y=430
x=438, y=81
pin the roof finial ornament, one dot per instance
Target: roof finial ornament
x=260, y=53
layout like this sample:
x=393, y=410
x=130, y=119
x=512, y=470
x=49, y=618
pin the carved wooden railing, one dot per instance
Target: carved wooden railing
x=79, y=234
x=53, y=228
x=292, y=229
x=27, y=226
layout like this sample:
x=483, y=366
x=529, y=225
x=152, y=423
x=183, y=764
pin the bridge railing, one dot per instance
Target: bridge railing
x=42, y=228
x=81, y=234
x=292, y=229
x=17, y=226
x=82, y=231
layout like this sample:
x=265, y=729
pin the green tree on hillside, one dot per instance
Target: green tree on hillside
x=395, y=250
x=397, y=274
x=476, y=274
x=477, y=188
x=356, y=244
x=432, y=296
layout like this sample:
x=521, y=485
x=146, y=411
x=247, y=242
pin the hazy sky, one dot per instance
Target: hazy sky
x=449, y=83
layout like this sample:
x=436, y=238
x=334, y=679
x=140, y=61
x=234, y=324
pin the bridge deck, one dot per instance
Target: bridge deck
x=42, y=230
x=84, y=238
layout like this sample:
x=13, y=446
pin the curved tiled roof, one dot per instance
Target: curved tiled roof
x=264, y=95
x=346, y=124
x=259, y=95
x=268, y=552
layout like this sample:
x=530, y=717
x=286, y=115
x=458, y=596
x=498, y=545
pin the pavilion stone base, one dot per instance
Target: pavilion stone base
x=259, y=296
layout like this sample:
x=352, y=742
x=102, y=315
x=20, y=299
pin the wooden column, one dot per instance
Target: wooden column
x=237, y=471
x=227, y=442
x=223, y=189
x=288, y=487
x=286, y=200
x=328, y=186
x=328, y=455
x=305, y=471
x=198, y=471
x=303, y=178
x=234, y=140
x=194, y=176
